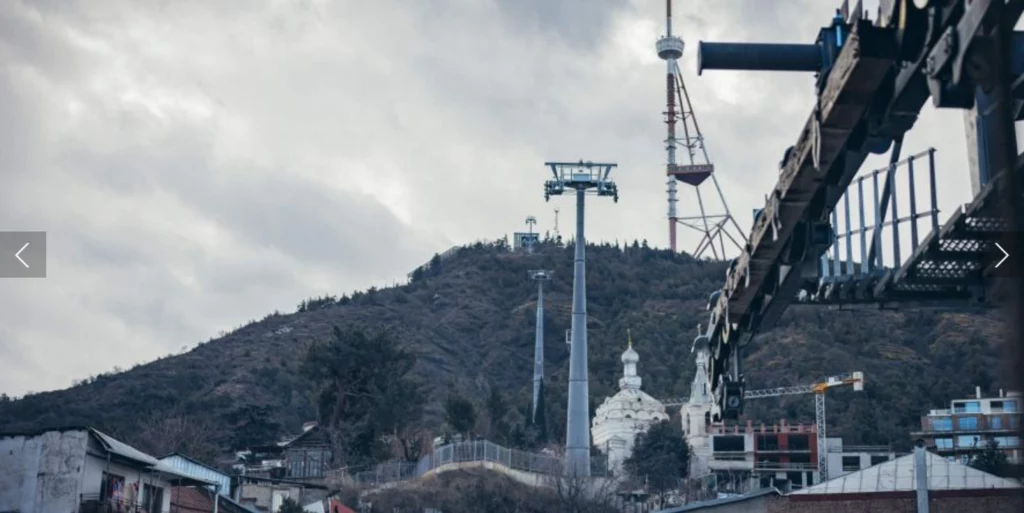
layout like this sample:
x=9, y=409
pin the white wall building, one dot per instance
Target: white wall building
x=82, y=470
x=696, y=413
x=623, y=416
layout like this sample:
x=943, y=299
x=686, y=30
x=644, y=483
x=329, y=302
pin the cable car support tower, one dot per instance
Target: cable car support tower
x=715, y=228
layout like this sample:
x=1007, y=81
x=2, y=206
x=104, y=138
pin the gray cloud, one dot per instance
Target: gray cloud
x=200, y=163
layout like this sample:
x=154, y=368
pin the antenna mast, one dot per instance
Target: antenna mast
x=715, y=228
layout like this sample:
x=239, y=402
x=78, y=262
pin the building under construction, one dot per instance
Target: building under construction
x=750, y=457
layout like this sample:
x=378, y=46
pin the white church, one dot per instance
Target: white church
x=623, y=416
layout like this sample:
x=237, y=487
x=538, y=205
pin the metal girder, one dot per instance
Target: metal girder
x=866, y=100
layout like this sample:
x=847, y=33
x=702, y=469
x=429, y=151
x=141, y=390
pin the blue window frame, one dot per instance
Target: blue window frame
x=1010, y=406
x=995, y=422
x=943, y=443
x=967, y=407
x=968, y=441
x=967, y=423
x=942, y=424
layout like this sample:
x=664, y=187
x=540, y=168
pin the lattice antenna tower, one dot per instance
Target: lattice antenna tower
x=715, y=226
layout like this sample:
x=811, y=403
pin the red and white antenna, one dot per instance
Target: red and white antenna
x=715, y=228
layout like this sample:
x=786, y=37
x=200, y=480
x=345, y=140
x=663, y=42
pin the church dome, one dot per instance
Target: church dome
x=630, y=356
x=626, y=414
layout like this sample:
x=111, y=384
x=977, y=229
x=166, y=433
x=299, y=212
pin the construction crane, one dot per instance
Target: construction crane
x=818, y=388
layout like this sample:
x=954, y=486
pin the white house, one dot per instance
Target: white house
x=81, y=470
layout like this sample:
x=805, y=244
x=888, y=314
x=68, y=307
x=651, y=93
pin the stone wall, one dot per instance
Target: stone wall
x=953, y=501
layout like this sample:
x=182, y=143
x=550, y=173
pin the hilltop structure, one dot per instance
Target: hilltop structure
x=625, y=415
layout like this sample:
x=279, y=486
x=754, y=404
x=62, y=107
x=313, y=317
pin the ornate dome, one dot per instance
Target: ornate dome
x=627, y=413
x=630, y=356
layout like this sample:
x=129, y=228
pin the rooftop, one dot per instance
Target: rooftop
x=899, y=475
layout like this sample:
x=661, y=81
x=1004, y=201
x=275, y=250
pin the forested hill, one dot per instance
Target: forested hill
x=470, y=322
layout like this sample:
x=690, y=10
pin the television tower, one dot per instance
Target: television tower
x=715, y=228
x=537, y=418
x=582, y=177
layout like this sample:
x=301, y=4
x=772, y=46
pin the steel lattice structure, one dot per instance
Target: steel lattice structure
x=873, y=78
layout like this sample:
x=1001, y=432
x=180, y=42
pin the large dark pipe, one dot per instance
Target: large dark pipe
x=758, y=57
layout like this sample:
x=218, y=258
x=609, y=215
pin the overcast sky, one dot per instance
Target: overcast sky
x=201, y=163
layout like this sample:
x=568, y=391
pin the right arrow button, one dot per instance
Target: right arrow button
x=1005, y=256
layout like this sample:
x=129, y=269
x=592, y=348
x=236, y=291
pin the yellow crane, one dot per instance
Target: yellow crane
x=818, y=388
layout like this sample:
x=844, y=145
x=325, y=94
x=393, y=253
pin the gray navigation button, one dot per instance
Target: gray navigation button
x=22, y=254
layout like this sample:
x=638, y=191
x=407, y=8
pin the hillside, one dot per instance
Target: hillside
x=470, y=321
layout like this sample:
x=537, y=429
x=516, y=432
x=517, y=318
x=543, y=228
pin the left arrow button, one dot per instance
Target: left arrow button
x=22, y=254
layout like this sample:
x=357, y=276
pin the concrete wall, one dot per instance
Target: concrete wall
x=42, y=474
x=527, y=478
x=266, y=494
x=50, y=472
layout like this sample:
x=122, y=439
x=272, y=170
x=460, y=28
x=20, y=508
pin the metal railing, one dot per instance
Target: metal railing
x=866, y=448
x=471, y=452
x=776, y=465
x=94, y=503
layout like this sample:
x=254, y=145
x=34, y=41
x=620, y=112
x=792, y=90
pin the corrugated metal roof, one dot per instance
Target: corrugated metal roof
x=899, y=475
x=718, y=502
x=177, y=475
x=122, y=449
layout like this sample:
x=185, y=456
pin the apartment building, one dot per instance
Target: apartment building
x=784, y=456
x=969, y=424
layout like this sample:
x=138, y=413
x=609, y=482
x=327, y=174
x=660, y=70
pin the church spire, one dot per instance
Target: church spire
x=630, y=380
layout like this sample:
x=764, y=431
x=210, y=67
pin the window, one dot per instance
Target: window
x=1014, y=422
x=943, y=443
x=877, y=459
x=767, y=442
x=967, y=441
x=995, y=422
x=851, y=463
x=112, y=489
x=152, y=499
x=731, y=443
x=799, y=442
x=1008, y=441
x=942, y=424
x=967, y=407
x=967, y=423
x=1010, y=406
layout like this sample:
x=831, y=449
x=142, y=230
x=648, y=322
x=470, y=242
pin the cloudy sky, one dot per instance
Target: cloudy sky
x=200, y=163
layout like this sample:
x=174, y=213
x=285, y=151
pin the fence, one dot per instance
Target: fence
x=469, y=452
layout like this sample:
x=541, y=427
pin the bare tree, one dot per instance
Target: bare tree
x=160, y=434
x=579, y=494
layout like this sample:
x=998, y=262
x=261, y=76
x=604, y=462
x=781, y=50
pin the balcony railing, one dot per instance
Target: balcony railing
x=778, y=465
x=93, y=503
x=866, y=448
